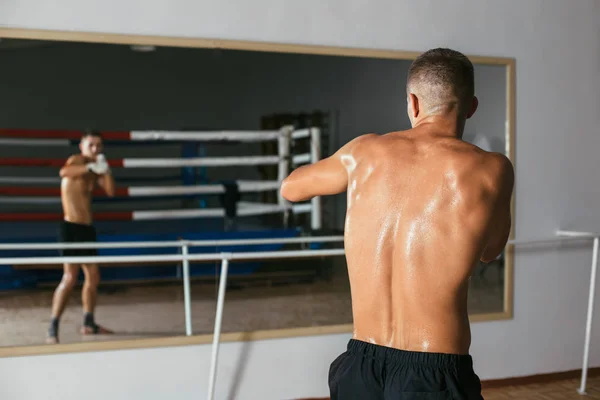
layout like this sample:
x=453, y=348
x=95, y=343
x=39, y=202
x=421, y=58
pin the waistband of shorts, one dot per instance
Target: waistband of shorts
x=409, y=357
x=80, y=224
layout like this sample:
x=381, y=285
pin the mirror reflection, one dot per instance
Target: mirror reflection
x=195, y=142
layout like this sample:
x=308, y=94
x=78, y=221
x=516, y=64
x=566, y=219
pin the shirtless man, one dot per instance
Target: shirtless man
x=423, y=207
x=80, y=175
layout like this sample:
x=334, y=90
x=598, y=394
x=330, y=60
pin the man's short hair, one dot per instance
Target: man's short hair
x=442, y=75
x=91, y=133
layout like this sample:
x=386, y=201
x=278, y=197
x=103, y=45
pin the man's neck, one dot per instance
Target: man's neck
x=443, y=125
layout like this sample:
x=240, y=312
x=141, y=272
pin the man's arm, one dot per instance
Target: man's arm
x=500, y=229
x=74, y=167
x=107, y=183
x=325, y=177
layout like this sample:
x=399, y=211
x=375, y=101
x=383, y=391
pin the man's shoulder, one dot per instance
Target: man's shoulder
x=366, y=138
x=360, y=143
x=503, y=170
x=490, y=158
x=76, y=159
x=498, y=163
x=495, y=169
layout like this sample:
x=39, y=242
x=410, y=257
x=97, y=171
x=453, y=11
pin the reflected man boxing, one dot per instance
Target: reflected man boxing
x=423, y=207
x=80, y=176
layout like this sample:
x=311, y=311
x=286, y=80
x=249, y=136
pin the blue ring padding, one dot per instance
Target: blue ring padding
x=15, y=279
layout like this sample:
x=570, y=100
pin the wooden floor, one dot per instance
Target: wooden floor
x=557, y=390
x=563, y=390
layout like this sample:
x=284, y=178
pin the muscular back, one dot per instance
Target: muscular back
x=76, y=194
x=419, y=217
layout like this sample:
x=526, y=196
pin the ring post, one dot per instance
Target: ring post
x=218, y=322
x=315, y=156
x=590, y=315
x=283, y=170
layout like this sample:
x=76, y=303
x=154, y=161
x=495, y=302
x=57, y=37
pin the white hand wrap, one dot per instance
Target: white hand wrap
x=100, y=166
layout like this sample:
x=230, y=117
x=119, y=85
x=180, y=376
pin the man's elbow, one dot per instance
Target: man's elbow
x=289, y=193
x=109, y=189
x=286, y=192
x=488, y=258
x=494, y=250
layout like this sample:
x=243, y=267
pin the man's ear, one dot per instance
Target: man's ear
x=474, y=105
x=414, y=108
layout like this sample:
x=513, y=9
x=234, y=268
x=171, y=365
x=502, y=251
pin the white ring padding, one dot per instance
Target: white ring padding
x=301, y=159
x=35, y=142
x=244, y=186
x=196, y=136
x=198, y=162
x=169, y=243
x=301, y=133
x=244, y=209
x=29, y=180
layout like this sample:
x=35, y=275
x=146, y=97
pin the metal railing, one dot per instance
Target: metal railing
x=226, y=257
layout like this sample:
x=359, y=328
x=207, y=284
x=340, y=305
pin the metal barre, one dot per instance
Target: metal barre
x=565, y=235
x=253, y=255
x=167, y=243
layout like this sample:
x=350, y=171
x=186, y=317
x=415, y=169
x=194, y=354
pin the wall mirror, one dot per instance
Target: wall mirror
x=55, y=87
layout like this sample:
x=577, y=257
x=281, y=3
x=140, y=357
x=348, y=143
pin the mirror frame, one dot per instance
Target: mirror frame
x=110, y=38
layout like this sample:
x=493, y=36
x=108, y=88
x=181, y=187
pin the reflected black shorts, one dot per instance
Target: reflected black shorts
x=368, y=371
x=71, y=232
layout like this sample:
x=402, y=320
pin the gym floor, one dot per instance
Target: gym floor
x=146, y=311
x=556, y=390
x=563, y=390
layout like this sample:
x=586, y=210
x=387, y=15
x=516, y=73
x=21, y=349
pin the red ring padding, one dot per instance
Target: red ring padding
x=60, y=134
x=44, y=162
x=39, y=217
x=51, y=191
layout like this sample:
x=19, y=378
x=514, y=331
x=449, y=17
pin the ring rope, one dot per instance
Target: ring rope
x=60, y=137
x=161, y=162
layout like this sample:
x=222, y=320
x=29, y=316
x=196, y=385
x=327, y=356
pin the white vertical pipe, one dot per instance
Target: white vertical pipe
x=590, y=314
x=315, y=156
x=187, y=302
x=217, y=331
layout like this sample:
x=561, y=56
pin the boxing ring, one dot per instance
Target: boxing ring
x=226, y=258
x=197, y=219
x=284, y=160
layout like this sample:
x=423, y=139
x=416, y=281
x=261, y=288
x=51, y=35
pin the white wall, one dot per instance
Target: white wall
x=557, y=47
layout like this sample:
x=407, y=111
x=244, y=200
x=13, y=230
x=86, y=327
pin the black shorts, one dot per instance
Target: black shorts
x=368, y=371
x=71, y=232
